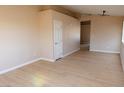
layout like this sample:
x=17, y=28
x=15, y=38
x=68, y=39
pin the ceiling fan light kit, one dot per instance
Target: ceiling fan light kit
x=103, y=13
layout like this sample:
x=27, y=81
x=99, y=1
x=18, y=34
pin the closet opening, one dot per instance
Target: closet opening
x=85, y=34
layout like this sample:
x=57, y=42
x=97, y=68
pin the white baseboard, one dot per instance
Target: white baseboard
x=105, y=51
x=46, y=59
x=71, y=52
x=19, y=66
x=24, y=64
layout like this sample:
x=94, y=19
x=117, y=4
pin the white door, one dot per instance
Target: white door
x=58, y=44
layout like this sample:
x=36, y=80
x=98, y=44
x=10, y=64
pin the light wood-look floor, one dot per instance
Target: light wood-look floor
x=82, y=68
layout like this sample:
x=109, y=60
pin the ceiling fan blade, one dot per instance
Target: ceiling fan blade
x=103, y=15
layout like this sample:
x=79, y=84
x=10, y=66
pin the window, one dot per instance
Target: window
x=123, y=33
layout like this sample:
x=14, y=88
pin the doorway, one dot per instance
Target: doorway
x=58, y=41
x=85, y=35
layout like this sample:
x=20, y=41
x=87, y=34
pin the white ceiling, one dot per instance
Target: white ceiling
x=113, y=10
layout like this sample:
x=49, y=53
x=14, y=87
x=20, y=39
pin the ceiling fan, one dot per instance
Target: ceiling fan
x=103, y=13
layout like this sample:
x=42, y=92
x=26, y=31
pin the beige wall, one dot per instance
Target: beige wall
x=105, y=33
x=19, y=35
x=46, y=34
